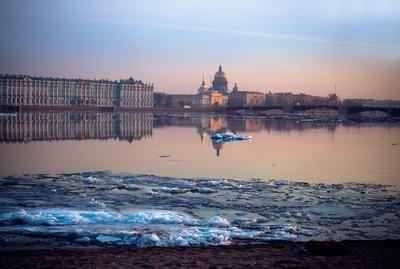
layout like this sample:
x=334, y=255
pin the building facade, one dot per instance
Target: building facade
x=291, y=99
x=245, y=98
x=218, y=99
x=201, y=100
x=48, y=92
x=372, y=103
x=180, y=100
x=208, y=97
x=160, y=99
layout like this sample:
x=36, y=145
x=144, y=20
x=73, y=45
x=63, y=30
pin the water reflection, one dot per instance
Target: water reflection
x=209, y=123
x=299, y=149
x=26, y=127
x=42, y=126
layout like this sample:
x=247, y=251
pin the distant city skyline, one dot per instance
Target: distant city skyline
x=299, y=46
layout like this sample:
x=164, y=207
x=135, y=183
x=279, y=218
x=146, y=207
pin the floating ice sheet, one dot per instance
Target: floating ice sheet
x=146, y=210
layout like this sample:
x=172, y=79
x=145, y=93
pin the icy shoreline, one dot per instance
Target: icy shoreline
x=104, y=208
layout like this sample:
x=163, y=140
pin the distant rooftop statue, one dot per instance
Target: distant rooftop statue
x=235, y=88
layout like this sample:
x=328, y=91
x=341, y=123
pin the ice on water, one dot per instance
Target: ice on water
x=145, y=210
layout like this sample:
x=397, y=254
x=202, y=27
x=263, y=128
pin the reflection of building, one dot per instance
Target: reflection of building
x=210, y=123
x=218, y=123
x=57, y=92
x=25, y=127
x=207, y=124
x=245, y=98
x=253, y=125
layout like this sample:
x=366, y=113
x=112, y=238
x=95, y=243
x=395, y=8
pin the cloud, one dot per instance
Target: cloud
x=277, y=36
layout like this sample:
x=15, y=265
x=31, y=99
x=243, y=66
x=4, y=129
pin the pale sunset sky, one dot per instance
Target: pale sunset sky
x=287, y=45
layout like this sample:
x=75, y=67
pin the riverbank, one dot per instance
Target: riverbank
x=317, y=113
x=275, y=254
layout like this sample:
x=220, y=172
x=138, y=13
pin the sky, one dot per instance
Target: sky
x=279, y=46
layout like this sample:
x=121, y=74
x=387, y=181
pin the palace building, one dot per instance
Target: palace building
x=17, y=90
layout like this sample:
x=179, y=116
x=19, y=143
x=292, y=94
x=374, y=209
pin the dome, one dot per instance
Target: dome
x=220, y=73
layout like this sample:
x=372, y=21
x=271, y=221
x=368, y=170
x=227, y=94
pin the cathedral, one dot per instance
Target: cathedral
x=215, y=96
x=220, y=83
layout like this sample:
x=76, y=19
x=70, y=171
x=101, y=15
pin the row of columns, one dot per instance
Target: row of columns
x=35, y=92
x=136, y=97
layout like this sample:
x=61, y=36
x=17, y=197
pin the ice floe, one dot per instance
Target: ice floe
x=227, y=137
x=153, y=228
x=147, y=210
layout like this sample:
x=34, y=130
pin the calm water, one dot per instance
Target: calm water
x=180, y=146
x=157, y=180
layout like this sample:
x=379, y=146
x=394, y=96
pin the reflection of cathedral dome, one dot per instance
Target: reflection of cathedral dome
x=217, y=146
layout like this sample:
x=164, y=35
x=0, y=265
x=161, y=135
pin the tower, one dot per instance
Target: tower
x=203, y=88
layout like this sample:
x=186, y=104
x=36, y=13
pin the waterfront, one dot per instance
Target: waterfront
x=142, y=179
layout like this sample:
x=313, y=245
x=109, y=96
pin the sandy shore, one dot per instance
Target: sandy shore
x=277, y=254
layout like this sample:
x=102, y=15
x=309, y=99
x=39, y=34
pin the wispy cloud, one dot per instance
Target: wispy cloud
x=258, y=34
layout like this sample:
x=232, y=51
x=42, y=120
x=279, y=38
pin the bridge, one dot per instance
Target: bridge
x=341, y=109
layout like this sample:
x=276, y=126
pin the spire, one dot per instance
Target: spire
x=203, y=83
x=201, y=139
x=220, y=68
x=235, y=88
